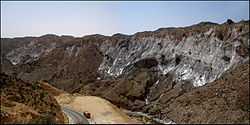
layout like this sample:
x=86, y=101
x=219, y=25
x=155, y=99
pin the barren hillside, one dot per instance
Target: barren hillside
x=155, y=72
x=27, y=102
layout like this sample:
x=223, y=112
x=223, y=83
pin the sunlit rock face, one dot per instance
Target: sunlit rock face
x=32, y=50
x=22, y=50
x=199, y=59
x=190, y=57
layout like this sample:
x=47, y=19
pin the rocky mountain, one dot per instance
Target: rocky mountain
x=21, y=50
x=140, y=72
x=27, y=102
x=225, y=100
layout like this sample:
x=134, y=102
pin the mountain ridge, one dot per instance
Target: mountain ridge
x=132, y=71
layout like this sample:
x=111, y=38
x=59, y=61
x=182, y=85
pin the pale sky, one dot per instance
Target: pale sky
x=34, y=18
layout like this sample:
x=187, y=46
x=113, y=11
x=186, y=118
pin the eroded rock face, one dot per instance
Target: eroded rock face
x=198, y=58
x=141, y=72
x=68, y=63
x=19, y=50
x=190, y=60
x=226, y=100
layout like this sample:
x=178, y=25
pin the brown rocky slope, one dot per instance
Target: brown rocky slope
x=226, y=100
x=27, y=102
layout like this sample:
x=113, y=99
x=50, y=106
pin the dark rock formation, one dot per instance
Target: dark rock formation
x=146, y=63
x=229, y=21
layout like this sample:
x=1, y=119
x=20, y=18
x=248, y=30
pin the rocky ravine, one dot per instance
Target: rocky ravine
x=141, y=72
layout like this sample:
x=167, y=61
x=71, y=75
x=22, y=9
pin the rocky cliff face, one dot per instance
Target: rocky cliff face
x=23, y=49
x=134, y=71
x=199, y=56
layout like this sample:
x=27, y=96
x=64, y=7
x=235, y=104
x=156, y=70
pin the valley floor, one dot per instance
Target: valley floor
x=102, y=111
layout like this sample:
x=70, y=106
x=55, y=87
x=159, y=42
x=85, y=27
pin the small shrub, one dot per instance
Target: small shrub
x=32, y=87
x=41, y=95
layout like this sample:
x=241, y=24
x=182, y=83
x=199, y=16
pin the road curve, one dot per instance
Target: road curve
x=74, y=116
